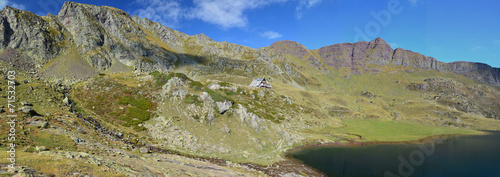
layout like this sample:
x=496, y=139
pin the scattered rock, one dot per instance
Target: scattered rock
x=261, y=93
x=40, y=148
x=27, y=110
x=214, y=86
x=224, y=106
x=144, y=150
x=66, y=101
x=210, y=118
x=44, y=125
x=248, y=118
x=26, y=103
x=368, y=94
x=225, y=129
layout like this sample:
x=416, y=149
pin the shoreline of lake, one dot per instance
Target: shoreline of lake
x=453, y=137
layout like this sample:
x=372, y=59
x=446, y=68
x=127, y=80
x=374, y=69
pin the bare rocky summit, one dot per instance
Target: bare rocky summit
x=106, y=94
x=109, y=39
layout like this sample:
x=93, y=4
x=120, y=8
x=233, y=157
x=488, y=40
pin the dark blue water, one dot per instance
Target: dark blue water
x=467, y=156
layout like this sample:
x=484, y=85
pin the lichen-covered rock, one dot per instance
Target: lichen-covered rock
x=27, y=109
x=223, y=106
x=144, y=150
x=31, y=34
x=175, y=87
x=248, y=118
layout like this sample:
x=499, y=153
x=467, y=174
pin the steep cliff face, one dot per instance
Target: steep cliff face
x=404, y=57
x=291, y=48
x=356, y=56
x=109, y=39
x=378, y=52
x=478, y=71
x=39, y=38
x=106, y=36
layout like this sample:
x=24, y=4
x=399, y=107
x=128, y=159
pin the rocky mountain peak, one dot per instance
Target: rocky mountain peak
x=110, y=39
x=290, y=47
x=379, y=41
x=286, y=43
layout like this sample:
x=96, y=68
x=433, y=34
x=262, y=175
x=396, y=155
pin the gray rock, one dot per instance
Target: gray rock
x=248, y=118
x=26, y=109
x=44, y=125
x=210, y=118
x=224, y=106
x=66, y=101
x=477, y=71
x=214, y=86
x=40, y=148
x=261, y=93
x=26, y=103
x=225, y=129
x=144, y=150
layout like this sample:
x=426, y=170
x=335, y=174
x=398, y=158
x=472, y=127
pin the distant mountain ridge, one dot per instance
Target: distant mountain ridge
x=109, y=39
x=378, y=52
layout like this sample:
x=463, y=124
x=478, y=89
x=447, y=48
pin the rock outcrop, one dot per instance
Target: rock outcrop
x=248, y=118
x=357, y=56
x=477, y=71
x=223, y=106
x=106, y=38
x=39, y=38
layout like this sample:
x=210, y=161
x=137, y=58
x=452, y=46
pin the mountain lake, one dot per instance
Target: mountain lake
x=454, y=156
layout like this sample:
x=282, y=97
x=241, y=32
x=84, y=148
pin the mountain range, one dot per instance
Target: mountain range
x=105, y=93
x=109, y=39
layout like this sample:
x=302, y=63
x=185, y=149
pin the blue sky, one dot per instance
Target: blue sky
x=446, y=30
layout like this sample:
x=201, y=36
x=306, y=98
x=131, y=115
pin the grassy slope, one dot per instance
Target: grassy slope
x=68, y=65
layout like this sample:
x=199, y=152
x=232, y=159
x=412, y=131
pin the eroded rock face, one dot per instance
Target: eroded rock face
x=109, y=39
x=404, y=57
x=107, y=35
x=290, y=47
x=223, y=106
x=248, y=118
x=30, y=34
x=357, y=55
x=477, y=71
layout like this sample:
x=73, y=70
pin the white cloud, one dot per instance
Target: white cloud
x=167, y=12
x=4, y=3
x=496, y=41
x=304, y=5
x=394, y=45
x=413, y=2
x=312, y=3
x=271, y=35
x=226, y=13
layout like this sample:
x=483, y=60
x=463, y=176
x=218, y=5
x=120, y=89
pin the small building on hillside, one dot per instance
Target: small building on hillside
x=260, y=82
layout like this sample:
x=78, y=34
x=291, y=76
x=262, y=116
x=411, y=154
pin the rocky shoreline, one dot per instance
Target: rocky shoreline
x=353, y=143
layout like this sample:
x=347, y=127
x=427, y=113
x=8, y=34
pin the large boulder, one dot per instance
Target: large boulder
x=224, y=106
